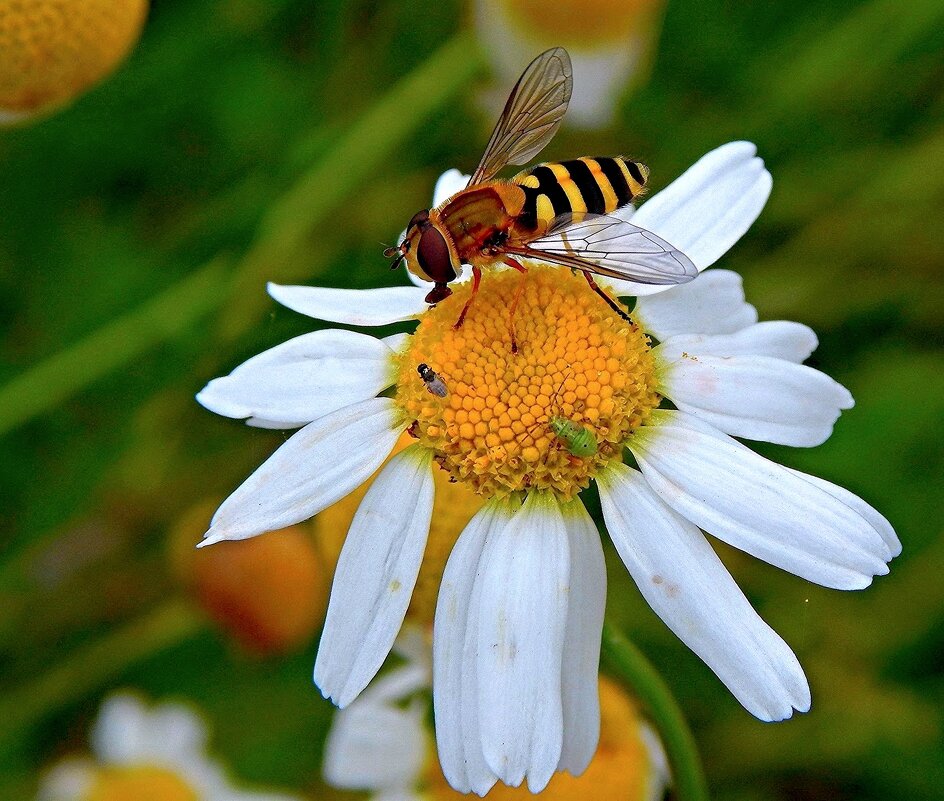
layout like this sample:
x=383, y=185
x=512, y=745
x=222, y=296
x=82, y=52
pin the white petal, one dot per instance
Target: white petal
x=316, y=467
x=708, y=208
x=711, y=304
x=120, y=735
x=756, y=397
x=854, y=502
x=273, y=425
x=303, y=379
x=376, y=572
x=375, y=747
x=455, y=691
x=353, y=306
x=869, y=515
x=397, y=342
x=779, y=339
x=448, y=184
x=685, y=583
x=660, y=774
x=755, y=504
x=524, y=576
x=581, y=664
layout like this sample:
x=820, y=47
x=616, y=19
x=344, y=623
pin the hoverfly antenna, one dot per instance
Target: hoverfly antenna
x=397, y=253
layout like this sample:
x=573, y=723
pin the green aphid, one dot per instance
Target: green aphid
x=579, y=439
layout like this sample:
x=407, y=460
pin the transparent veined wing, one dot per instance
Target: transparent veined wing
x=531, y=116
x=609, y=246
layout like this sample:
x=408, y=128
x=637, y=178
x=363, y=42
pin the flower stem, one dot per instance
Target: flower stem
x=628, y=663
x=91, y=667
x=283, y=231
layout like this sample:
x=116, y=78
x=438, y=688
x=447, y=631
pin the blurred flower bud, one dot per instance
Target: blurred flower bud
x=268, y=592
x=53, y=50
x=611, y=43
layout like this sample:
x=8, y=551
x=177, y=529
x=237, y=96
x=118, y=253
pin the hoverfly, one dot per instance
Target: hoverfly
x=432, y=380
x=558, y=213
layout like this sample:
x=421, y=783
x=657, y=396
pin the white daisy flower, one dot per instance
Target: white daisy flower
x=141, y=752
x=517, y=630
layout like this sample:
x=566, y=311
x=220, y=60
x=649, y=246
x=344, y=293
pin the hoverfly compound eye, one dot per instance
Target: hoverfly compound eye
x=434, y=257
x=421, y=218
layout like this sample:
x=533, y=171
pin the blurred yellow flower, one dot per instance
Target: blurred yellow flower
x=53, y=50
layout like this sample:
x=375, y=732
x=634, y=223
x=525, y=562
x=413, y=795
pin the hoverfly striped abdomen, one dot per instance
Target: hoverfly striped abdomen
x=580, y=186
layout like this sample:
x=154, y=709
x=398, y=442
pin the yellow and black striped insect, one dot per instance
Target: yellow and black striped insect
x=433, y=382
x=559, y=213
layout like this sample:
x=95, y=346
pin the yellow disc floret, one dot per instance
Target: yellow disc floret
x=577, y=361
x=52, y=50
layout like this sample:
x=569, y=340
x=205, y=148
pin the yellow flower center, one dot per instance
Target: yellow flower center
x=548, y=416
x=142, y=783
x=51, y=50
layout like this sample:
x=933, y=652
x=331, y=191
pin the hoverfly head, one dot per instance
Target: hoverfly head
x=429, y=253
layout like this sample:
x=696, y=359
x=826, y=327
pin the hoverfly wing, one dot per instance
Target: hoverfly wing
x=532, y=114
x=609, y=246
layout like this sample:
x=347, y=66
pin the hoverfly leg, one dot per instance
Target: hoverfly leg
x=609, y=301
x=514, y=301
x=476, y=279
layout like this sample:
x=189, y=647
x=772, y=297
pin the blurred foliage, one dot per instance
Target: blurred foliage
x=254, y=140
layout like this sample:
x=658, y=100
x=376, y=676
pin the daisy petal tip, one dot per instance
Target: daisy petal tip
x=894, y=545
x=214, y=400
x=211, y=539
x=275, y=291
x=536, y=784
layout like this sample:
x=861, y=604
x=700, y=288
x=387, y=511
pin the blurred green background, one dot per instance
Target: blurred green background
x=254, y=140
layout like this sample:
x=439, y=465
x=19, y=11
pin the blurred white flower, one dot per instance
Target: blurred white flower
x=379, y=742
x=158, y=753
x=611, y=44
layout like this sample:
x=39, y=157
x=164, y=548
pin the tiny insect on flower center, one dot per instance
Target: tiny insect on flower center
x=579, y=369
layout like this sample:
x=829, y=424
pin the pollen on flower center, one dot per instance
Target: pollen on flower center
x=577, y=362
